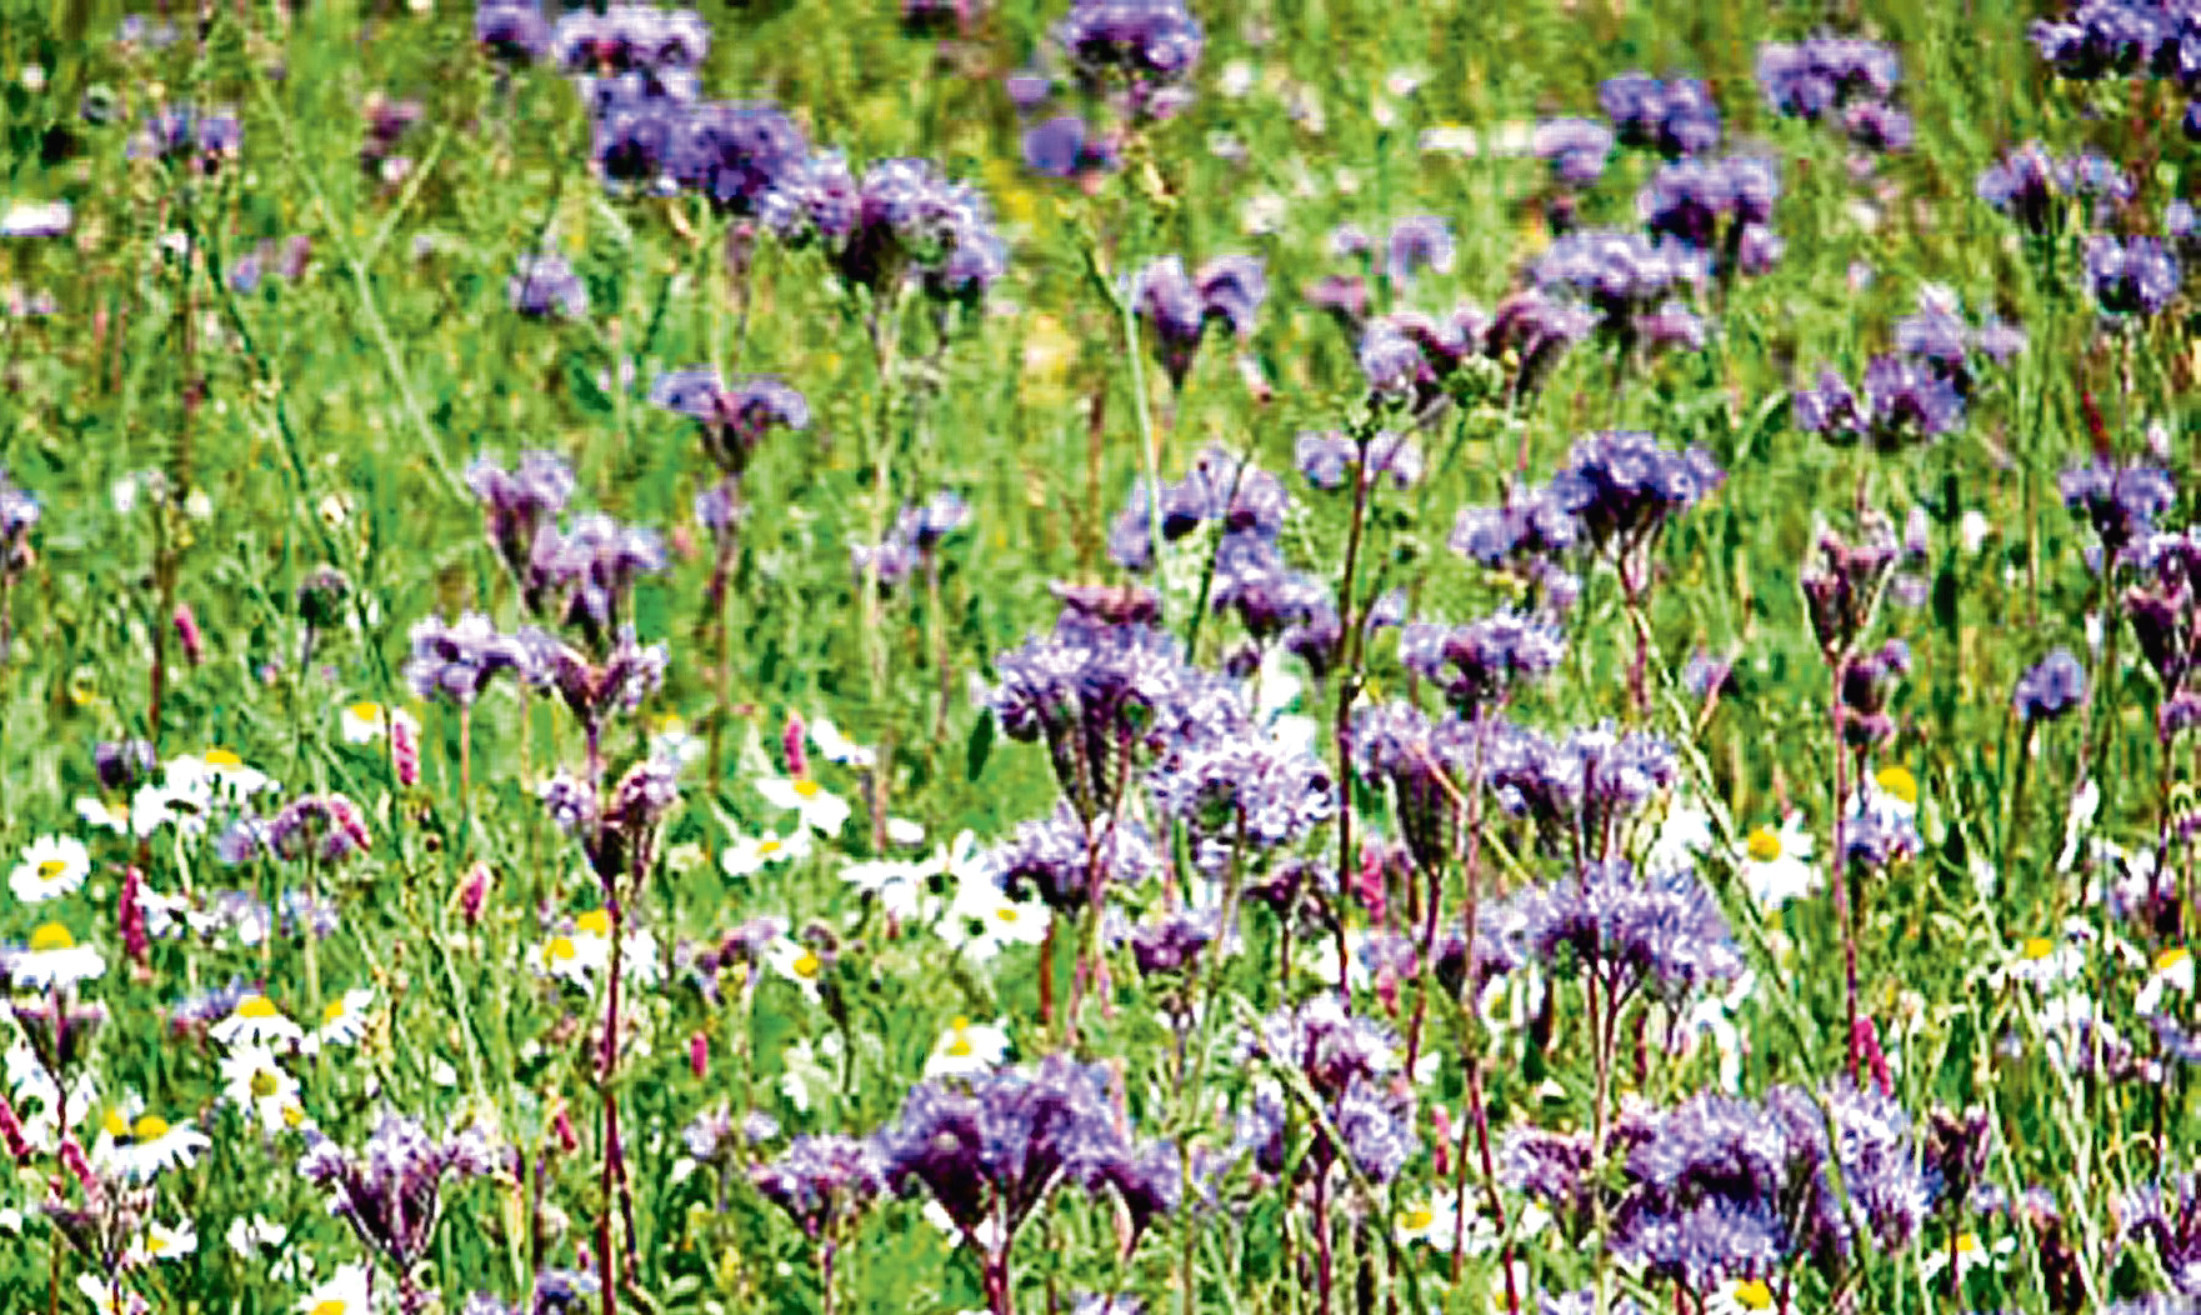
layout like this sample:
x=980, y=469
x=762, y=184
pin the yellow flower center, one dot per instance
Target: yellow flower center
x=333, y=1013
x=1418, y=1218
x=2038, y=948
x=330, y=1307
x=596, y=922
x=1007, y=913
x=1764, y=846
x=807, y=789
x=265, y=1083
x=808, y=965
x=1753, y=1294
x=119, y=812
x=149, y=1127
x=257, y=1006
x=52, y=936
x=116, y=1125
x=768, y=846
x=1967, y=1243
x=223, y=758
x=51, y=869
x=560, y=950
x=367, y=712
x=960, y=1048
x=83, y=691
x=1899, y=782
x=294, y=1115
x=2169, y=959
x=155, y=1244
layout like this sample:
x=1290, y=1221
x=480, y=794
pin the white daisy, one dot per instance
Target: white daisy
x=52, y=866
x=820, y=809
x=51, y=961
x=1683, y=834
x=2044, y=962
x=343, y=1020
x=367, y=722
x=578, y=955
x=2172, y=971
x=1431, y=1220
x=141, y=1146
x=254, y=1081
x=1895, y=782
x=347, y=1292
x=110, y=815
x=256, y=1021
x=1971, y=1254
x=899, y=885
x=162, y=1242
x=902, y=831
x=966, y=1048
x=110, y=1298
x=748, y=854
x=795, y=962
x=1775, y=866
x=838, y=748
x=232, y=779
x=1740, y=1296
x=982, y=919
x=249, y=1237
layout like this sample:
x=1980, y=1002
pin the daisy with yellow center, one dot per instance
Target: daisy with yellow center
x=820, y=809
x=257, y=1021
x=1896, y=781
x=967, y=1048
x=343, y=1020
x=256, y=1084
x=749, y=855
x=1431, y=1222
x=1741, y=1296
x=1775, y=865
x=1971, y=1253
x=671, y=741
x=795, y=962
x=52, y=866
x=367, y=722
x=982, y=920
x=2171, y=971
x=145, y=1145
x=51, y=961
x=2042, y=961
x=109, y=815
x=576, y=956
x=162, y=1242
x=347, y=1292
x=108, y=1298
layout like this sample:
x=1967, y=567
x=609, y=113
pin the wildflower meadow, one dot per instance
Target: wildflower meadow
x=1286, y=657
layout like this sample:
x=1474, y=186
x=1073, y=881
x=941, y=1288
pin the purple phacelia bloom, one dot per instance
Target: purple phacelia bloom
x=822, y=1182
x=1576, y=149
x=2166, y=1218
x=1675, y=117
x=1907, y=399
x=1621, y=486
x=514, y=31
x=2121, y=503
x=457, y=661
x=1811, y=78
x=1172, y=943
x=2101, y=38
x=1144, y=49
x=2051, y=688
x=595, y=567
x=994, y=1150
x=1092, y=689
x=1476, y=666
x=1418, y=243
x=2032, y=187
x=735, y=418
x=184, y=133
x=2135, y=276
x=327, y=828
x=1701, y=203
x=545, y=287
x=630, y=672
x=1392, y=363
x=1534, y=525
x=1324, y=458
x=1671, y=325
x=1878, y=127
x=903, y=222
x=1619, y=275
x=1867, y=683
x=626, y=38
x=1243, y=790
x=122, y=764
x=1663, y=935
x=1065, y=147
x=742, y=156
x=391, y=1191
x=1585, y=785
x=1063, y=859
x=1178, y=307
x=520, y=507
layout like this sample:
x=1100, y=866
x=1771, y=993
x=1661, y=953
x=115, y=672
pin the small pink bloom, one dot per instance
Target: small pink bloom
x=187, y=630
x=474, y=894
x=791, y=744
x=130, y=914
x=405, y=752
x=699, y=1054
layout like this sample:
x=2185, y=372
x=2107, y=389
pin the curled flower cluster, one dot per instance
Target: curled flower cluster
x=2036, y=189
x=1676, y=117
x=391, y=1190
x=1846, y=79
x=1177, y=308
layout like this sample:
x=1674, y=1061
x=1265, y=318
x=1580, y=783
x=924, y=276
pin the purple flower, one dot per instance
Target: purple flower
x=2032, y=187
x=1172, y=943
x=1702, y=204
x=1576, y=149
x=1418, y=243
x=390, y=1192
x=122, y=764
x=629, y=673
x=458, y=661
x=1094, y=690
x=2136, y=276
x=1323, y=458
x=1812, y=78
x=1660, y=934
x=1146, y=49
x=1619, y=275
x=1476, y=665
x=186, y=134
x=328, y=827
x=1064, y=859
x=822, y=1182
x=546, y=287
x=1064, y=147
x=514, y=31
x=2121, y=502
x=735, y=418
x=1674, y=118
x=1621, y=486
x=1243, y=790
x=741, y=156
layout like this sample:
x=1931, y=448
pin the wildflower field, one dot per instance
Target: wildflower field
x=1095, y=656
